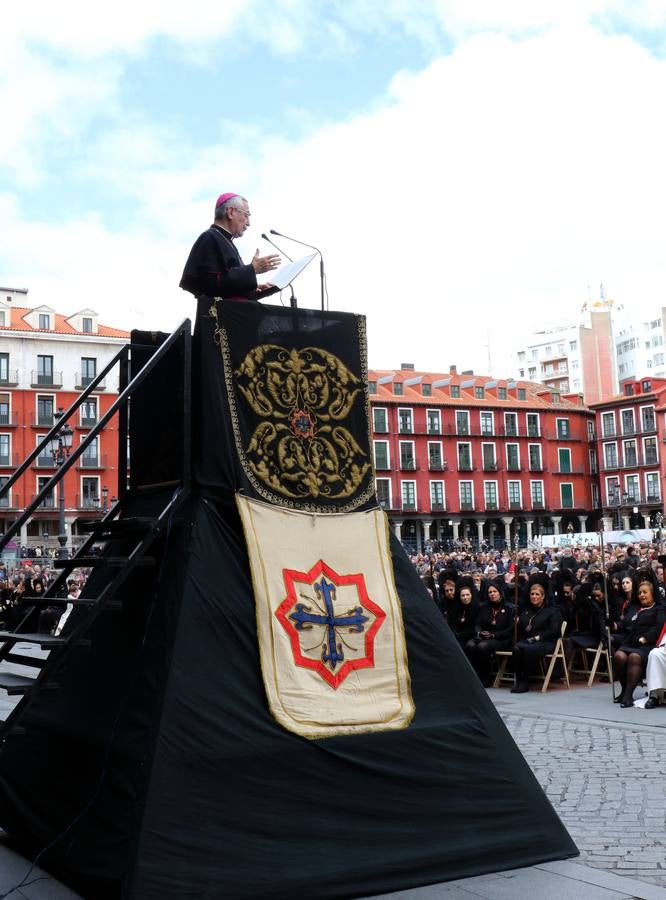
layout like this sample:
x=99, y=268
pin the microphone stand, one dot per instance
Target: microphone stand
x=322, y=275
x=292, y=302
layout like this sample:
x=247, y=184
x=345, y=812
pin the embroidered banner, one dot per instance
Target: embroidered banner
x=297, y=397
x=331, y=638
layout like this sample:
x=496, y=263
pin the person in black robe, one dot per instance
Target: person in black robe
x=462, y=614
x=214, y=267
x=639, y=629
x=539, y=627
x=493, y=630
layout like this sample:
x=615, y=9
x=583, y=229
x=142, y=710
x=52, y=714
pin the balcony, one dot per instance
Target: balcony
x=9, y=460
x=466, y=505
x=91, y=504
x=433, y=430
x=47, y=503
x=408, y=464
x=513, y=467
x=437, y=507
x=648, y=425
x=608, y=433
x=43, y=420
x=569, y=470
x=381, y=465
x=465, y=466
x=491, y=504
x=403, y=429
x=538, y=504
x=92, y=462
x=46, y=379
x=409, y=506
x=91, y=421
x=515, y=504
x=490, y=466
x=438, y=465
x=537, y=467
x=11, y=502
x=10, y=379
x=81, y=382
x=8, y=420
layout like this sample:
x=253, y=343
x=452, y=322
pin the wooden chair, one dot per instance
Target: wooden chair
x=558, y=653
x=590, y=672
x=503, y=657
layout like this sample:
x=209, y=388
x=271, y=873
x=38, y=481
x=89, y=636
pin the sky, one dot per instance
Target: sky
x=470, y=169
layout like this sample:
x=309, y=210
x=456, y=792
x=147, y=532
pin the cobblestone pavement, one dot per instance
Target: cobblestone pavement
x=608, y=784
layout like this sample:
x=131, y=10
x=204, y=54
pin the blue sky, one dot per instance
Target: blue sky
x=470, y=169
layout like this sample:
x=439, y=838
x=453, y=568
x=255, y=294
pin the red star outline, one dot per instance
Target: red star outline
x=291, y=577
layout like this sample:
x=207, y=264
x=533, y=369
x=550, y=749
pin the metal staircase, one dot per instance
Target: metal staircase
x=125, y=536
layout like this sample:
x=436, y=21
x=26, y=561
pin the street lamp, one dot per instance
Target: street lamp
x=61, y=446
x=658, y=518
x=105, y=499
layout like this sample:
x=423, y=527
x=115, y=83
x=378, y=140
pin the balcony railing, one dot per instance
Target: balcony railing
x=437, y=507
x=408, y=465
x=92, y=462
x=409, y=505
x=91, y=421
x=438, y=465
x=45, y=379
x=8, y=420
x=13, y=501
x=490, y=466
x=513, y=467
x=10, y=379
x=466, y=505
x=41, y=420
x=47, y=503
x=465, y=466
x=628, y=500
x=81, y=382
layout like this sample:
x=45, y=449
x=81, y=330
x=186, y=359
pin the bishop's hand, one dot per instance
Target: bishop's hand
x=265, y=263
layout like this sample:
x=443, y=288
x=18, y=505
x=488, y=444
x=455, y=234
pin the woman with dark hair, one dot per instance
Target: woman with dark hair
x=494, y=628
x=627, y=592
x=638, y=631
x=539, y=627
x=462, y=614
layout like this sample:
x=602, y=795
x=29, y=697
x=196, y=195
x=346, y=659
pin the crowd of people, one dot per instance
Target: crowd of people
x=497, y=600
x=28, y=578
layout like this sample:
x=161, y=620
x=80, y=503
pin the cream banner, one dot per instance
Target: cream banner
x=329, y=621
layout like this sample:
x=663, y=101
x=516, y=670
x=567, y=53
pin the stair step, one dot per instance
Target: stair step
x=85, y=562
x=119, y=527
x=15, y=684
x=21, y=659
x=18, y=637
x=58, y=601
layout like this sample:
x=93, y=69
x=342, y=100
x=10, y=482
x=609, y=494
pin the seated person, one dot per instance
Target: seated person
x=493, y=630
x=656, y=672
x=539, y=627
x=462, y=614
x=637, y=632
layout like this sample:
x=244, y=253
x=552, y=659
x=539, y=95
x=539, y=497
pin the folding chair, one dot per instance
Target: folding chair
x=558, y=653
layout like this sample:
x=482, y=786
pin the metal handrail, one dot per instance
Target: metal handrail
x=118, y=404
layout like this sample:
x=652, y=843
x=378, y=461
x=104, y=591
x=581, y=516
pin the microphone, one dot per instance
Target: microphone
x=322, y=276
x=292, y=300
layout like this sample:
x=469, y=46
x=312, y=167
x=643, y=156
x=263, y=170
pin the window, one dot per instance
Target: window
x=512, y=458
x=566, y=496
x=44, y=458
x=630, y=453
x=462, y=421
x=501, y=393
x=4, y=409
x=479, y=393
x=647, y=386
x=383, y=486
x=90, y=456
x=511, y=424
x=464, y=457
x=533, y=429
x=613, y=491
x=563, y=431
x=488, y=455
x=382, y=462
x=627, y=421
x=372, y=387
x=535, y=457
x=435, y=457
x=407, y=459
x=536, y=493
x=437, y=495
x=49, y=500
x=590, y=430
x=466, y=494
x=426, y=389
x=521, y=356
x=44, y=370
x=610, y=456
x=593, y=460
x=515, y=499
x=595, y=495
x=45, y=409
x=631, y=487
x=564, y=459
x=490, y=494
x=408, y=492
x=648, y=421
x=573, y=346
x=434, y=421
x=89, y=412
x=455, y=390
x=608, y=424
x=397, y=388
x=90, y=493
x=4, y=450
x=379, y=420
x=487, y=423
x=88, y=370
x=652, y=487
x=521, y=393
x=5, y=502
x=405, y=421
x=44, y=321
x=4, y=368
x=87, y=325
x=650, y=456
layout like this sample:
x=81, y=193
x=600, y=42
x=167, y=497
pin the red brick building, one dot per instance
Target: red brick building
x=464, y=455
x=630, y=430
x=46, y=359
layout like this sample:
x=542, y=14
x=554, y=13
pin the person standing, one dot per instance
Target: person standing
x=214, y=267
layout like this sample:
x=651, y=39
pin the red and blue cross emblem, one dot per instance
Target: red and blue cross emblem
x=330, y=620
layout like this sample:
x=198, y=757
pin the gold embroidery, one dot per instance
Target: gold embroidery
x=302, y=449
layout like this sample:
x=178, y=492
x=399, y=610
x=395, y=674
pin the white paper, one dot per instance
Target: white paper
x=283, y=276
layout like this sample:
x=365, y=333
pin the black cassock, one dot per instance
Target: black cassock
x=214, y=268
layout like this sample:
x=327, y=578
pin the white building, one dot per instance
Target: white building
x=640, y=346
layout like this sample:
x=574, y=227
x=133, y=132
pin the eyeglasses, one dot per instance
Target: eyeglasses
x=245, y=212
